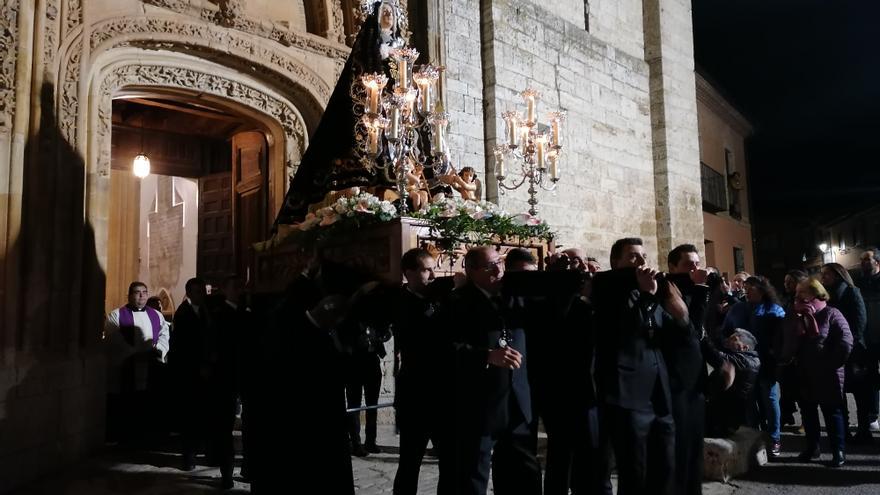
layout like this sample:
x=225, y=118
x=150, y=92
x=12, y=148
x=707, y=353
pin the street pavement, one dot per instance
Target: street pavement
x=155, y=473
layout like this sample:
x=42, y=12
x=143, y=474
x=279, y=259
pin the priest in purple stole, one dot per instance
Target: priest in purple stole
x=137, y=340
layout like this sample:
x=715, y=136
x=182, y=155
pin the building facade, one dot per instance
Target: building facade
x=70, y=69
x=724, y=174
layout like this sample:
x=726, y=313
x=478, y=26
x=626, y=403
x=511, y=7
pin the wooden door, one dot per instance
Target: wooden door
x=250, y=185
x=216, y=253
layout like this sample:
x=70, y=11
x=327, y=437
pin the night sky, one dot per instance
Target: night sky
x=806, y=73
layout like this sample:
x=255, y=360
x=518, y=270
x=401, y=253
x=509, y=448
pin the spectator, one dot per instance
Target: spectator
x=731, y=385
x=818, y=340
x=762, y=315
x=847, y=298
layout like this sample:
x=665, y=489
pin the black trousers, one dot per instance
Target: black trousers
x=221, y=422
x=576, y=455
x=364, y=376
x=689, y=413
x=417, y=426
x=511, y=454
x=644, y=448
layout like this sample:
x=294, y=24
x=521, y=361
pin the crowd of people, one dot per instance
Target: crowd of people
x=627, y=368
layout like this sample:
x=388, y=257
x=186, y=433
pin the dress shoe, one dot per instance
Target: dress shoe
x=838, y=460
x=372, y=448
x=775, y=449
x=189, y=463
x=809, y=455
x=358, y=450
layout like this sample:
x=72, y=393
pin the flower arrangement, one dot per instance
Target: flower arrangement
x=455, y=221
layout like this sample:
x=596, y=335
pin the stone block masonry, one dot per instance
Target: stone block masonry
x=630, y=165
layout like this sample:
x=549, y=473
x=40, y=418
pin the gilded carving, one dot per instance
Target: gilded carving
x=158, y=75
x=8, y=56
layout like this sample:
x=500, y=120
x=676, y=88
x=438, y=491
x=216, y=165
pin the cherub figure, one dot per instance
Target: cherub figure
x=465, y=182
x=415, y=187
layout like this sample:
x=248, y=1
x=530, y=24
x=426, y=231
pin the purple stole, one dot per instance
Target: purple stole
x=126, y=320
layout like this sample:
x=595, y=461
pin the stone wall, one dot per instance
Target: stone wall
x=630, y=166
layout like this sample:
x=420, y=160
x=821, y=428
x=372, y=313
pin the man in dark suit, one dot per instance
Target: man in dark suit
x=188, y=367
x=492, y=405
x=230, y=319
x=632, y=379
x=419, y=378
x=687, y=370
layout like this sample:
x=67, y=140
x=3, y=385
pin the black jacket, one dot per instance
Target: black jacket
x=746, y=364
x=629, y=358
x=870, y=289
x=848, y=300
x=186, y=357
x=484, y=394
x=419, y=340
x=681, y=349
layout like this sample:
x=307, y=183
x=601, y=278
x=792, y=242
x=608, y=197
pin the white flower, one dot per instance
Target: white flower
x=525, y=219
x=387, y=208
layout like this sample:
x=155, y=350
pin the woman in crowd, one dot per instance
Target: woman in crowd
x=818, y=342
x=761, y=314
x=787, y=374
x=847, y=298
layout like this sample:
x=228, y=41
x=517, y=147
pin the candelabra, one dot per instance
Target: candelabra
x=405, y=122
x=536, y=150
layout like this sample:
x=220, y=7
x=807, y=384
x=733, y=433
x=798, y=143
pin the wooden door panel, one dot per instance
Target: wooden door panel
x=249, y=168
x=216, y=253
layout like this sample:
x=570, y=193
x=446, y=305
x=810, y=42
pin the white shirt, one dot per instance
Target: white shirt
x=143, y=335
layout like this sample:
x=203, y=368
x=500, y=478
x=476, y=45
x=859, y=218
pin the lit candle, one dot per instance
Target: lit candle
x=374, y=98
x=512, y=122
x=531, y=105
x=539, y=143
x=395, y=123
x=555, y=126
x=524, y=136
x=438, y=138
x=499, y=164
x=424, y=95
x=554, y=166
x=402, y=76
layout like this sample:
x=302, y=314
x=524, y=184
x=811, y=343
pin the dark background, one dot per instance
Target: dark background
x=806, y=73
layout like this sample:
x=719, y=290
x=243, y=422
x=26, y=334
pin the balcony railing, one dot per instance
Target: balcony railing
x=713, y=187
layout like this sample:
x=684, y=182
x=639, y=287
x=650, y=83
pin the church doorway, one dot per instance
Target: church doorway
x=203, y=204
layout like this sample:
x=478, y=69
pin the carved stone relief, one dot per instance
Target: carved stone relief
x=175, y=77
x=51, y=36
x=68, y=107
x=187, y=35
x=8, y=56
x=337, y=24
x=230, y=15
x=74, y=14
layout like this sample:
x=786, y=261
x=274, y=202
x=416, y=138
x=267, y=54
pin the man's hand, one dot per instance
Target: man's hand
x=645, y=277
x=699, y=276
x=505, y=357
x=673, y=303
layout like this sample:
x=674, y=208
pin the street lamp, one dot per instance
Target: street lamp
x=823, y=247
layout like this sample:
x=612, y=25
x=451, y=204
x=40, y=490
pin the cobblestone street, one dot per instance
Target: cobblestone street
x=157, y=473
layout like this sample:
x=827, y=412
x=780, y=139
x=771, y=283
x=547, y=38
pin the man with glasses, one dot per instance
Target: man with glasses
x=491, y=398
